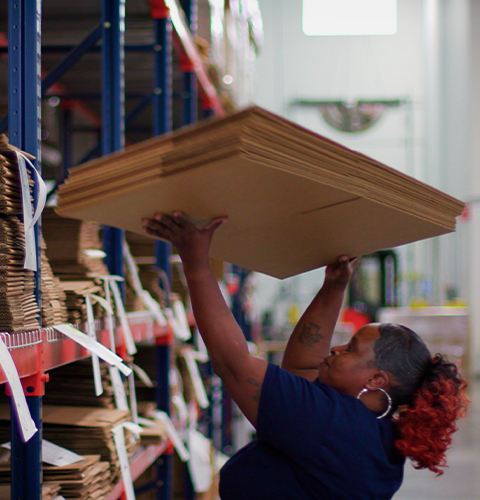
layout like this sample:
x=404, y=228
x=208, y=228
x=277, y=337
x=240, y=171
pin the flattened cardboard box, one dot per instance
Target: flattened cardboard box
x=295, y=200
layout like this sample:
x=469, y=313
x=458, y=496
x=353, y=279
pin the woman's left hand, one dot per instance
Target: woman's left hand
x=191, y=242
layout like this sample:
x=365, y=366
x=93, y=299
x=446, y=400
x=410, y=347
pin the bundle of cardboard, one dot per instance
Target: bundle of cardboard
x=87, y=479
x=80, y=376
x=54, y=309
x=295, y=200
x=69, y=247
x=50, y=491
x=18, y=307
x=70, y=251
x=83, y=430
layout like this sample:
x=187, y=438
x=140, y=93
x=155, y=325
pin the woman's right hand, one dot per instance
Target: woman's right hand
x=192, y=242
x=339, y=273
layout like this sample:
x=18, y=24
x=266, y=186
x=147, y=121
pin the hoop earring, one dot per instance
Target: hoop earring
x=387, y=411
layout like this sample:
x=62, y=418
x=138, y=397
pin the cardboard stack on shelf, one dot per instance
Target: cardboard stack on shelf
x=50, y=491
x=18, y=307
x=83, y=430
x=54, y=308
x=84, y=480
x=295, y=200
x=71, y=247
x=80, y=376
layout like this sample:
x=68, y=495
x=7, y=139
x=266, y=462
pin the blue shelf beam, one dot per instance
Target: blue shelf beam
x=75, y=55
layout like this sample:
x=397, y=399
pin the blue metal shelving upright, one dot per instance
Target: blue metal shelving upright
x=162, y=123
x=113, y=115
x=24, y=118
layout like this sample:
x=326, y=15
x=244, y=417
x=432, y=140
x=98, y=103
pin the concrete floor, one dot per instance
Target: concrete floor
x=461, y=481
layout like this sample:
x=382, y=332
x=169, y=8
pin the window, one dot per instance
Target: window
x=349, y=17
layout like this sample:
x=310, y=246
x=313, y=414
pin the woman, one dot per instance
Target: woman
x=331, y=424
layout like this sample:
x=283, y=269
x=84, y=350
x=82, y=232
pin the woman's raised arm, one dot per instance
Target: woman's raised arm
x=310, y=341
x=241, y=373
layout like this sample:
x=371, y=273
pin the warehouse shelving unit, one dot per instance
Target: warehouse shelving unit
x=35, y=353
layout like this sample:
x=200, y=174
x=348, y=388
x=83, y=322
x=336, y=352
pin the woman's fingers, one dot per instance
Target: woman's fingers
x=215, y=223
x=158, y=229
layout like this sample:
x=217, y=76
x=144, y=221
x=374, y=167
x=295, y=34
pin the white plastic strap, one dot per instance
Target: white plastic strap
x=142, y=375
x=150, y=303
x=178, y=332
x=118, y=389
x=146, y=422
x=181, y=317
x=132, y=267
x=199, y=465
x=97, y=376
x=127, y=333
x=154, y=307
x=29, y=220
x=110, y=316
x=197, y=381
x=172, y=433
x=133, y=398
x=94, y=347
x=53, y=454
x=57, y=455
x=119, y=439
x=179, y=402
x=103, y=302
x=22, y=412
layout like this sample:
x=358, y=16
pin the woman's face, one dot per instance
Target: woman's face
x=349, y=367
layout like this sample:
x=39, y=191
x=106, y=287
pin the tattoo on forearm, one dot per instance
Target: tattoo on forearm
x=256, y=396
x=310, y=334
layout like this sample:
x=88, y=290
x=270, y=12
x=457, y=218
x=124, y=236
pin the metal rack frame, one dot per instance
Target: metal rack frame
x=35, y=353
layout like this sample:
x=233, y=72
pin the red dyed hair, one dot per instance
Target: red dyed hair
x=426, y=426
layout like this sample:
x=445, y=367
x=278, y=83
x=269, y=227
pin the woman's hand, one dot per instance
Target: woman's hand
x=191, y=242
x=340, y=272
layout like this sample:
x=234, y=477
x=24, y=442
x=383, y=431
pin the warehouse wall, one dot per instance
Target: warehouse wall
x=473, y=260
x=428, y=64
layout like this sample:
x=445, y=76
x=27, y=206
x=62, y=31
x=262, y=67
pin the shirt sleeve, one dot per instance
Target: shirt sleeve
x=294, y=414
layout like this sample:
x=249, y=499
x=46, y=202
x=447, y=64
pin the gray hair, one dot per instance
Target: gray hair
x=401, y=352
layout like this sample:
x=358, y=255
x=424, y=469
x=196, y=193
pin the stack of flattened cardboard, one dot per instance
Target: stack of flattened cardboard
x=18, y=308
x=50, y=491
x=295, y=200
x=88, y=479
x=83, y=430
x=87, y=431
x=75, y=292
x=80, y=376
x=69, y=246
x=54, y=309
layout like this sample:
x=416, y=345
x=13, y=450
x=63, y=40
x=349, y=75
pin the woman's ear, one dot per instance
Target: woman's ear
x=380, y=379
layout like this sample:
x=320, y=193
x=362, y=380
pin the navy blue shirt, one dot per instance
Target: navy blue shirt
x=313, y=443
